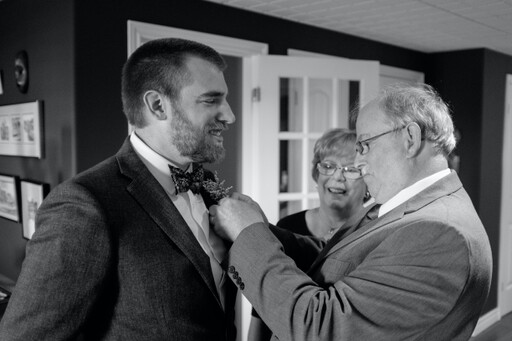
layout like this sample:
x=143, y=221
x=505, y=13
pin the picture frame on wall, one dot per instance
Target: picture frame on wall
x=9, y=197
x=21, y=129
x=32, y=195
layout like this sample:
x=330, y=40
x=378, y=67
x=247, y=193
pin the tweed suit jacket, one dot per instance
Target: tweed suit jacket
x=420, y=272
x=112, y=259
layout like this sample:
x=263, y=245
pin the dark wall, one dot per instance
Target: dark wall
x=458, y=76
x=474, y=83
x=45, y=31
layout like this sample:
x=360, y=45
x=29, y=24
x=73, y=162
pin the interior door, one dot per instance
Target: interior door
x=296, y=99
x=505, y=272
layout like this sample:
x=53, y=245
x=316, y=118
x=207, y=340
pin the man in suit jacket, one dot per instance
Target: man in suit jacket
x=121, y=251
x=420, y=270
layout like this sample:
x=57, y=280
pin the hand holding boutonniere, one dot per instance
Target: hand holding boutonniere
x=215, y=188
x=232, y=215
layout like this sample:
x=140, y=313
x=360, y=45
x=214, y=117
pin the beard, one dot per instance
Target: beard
x=193, y=141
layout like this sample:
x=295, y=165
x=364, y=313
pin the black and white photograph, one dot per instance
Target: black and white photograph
x=255, y=170
x=32, y=195
x=9, y=200
x=21, y=132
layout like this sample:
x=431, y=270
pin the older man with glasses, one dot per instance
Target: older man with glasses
x=420, y=270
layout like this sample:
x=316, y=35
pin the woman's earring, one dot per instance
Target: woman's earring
x=367, y=196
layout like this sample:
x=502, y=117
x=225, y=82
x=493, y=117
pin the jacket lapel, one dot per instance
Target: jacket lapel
x=146, y=190
x=441, y=188
x=339, y=240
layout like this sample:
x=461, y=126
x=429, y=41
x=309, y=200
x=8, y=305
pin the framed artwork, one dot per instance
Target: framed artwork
x=21, y=129
x=9, y=198
x=32, y=195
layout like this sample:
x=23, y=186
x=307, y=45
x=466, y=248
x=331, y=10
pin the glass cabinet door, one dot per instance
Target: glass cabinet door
x=300, y=98
x=307, y=108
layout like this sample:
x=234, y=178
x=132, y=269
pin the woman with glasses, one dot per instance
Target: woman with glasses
x=341, y=191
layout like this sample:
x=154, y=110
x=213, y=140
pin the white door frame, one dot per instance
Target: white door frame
x=385, y=71
x=139, y=33
x=505, y=252
x=505, y=260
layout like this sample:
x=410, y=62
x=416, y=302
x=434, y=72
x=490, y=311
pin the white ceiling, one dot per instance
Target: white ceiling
x=422, y=25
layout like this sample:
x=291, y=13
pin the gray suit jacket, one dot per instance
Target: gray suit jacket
x=420, y=272
x=112, y=259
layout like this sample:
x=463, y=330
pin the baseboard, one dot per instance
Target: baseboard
x=487, y=320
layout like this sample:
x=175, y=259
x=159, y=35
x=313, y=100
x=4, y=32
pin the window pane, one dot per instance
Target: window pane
x=290, y=104
x=311, y=182
x=320, y=104
x=290, y=166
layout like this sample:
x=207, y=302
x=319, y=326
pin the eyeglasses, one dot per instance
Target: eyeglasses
x=363, y=147
x=329, y=168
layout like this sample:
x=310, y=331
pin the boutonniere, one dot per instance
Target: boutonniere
x=215, y=188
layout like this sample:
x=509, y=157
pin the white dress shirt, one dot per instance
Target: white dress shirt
x=411, y=191
x=191, y=207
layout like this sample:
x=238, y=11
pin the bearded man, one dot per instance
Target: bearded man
x=124, y=250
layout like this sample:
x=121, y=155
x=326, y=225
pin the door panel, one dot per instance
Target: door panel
x=300, y=98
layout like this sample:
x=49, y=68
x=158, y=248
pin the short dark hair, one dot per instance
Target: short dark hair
x=160, y=65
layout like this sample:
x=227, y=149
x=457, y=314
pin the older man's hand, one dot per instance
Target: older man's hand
x=234, y=214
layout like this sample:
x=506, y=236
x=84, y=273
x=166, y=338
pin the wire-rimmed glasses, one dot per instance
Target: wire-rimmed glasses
x=329, y=168
x=363, y=146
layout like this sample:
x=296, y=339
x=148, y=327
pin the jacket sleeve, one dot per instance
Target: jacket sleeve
x=302, y=249
x=66, y=264
x=404, y=285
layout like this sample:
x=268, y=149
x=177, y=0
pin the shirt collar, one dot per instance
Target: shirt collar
x=411, y=191
x=156, y=163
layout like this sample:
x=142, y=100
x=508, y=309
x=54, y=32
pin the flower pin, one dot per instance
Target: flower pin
x=215, y=188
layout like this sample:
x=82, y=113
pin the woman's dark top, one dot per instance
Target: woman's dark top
x=295, y=223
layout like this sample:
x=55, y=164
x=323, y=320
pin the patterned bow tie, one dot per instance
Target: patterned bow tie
x=183, y=181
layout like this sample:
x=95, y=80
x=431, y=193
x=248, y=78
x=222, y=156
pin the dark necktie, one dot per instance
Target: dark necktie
x=183, y=181
x=372, y=214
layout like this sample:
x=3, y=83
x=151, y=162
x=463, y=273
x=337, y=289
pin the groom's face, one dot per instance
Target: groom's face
x=201, y=113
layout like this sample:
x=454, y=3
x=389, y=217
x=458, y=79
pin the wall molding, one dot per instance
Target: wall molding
x=384, y=70
x=487, y=320
x=140, y=32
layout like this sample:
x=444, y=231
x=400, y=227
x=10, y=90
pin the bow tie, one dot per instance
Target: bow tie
x=183, y=181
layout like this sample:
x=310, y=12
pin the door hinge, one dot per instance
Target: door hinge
x=256, y=94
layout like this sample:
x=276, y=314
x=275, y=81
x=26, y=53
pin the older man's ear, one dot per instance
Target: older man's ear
x=413, y=140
